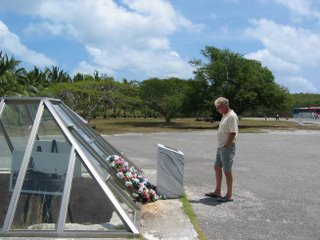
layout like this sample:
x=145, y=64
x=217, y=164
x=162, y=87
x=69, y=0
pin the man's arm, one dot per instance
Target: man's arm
x=230, y=140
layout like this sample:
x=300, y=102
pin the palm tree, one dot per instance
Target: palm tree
x=8, y=76
x=34, y=81
x=78, y=77
x=55, y=75
x=7, y=65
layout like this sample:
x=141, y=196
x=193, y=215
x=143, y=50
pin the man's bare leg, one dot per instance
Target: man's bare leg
x=218, y=173
x=229, y=180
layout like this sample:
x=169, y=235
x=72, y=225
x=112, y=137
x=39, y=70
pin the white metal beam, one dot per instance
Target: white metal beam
x=23, y=169
x=100, y=180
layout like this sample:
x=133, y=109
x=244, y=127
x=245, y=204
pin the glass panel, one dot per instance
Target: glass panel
x=102, y=167
x=62, y=114
x=78, y=128
x=97, y=213
x=17, y=120
x=41, y=194
x=121, y=189
x=5, y=166
x=109, y=174
x=97, y=158
x=5, y=154
x=103, y=172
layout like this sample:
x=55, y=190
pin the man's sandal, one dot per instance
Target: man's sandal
x=213, y=195
x=224, y=199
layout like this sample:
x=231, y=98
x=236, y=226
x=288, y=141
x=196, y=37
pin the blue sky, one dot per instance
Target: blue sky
x=137, y=39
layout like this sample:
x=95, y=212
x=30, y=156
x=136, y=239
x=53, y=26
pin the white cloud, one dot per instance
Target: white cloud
x=300, y=84
x=158, y=43
x=53, y=29
x=273, y=62
x=133, y=35
x=304, y=8
x=175, y=54
x=87, y=68
x=10, y=43
x=151, y=63
x=300, y=46
x=287, y=51
x=161, y=12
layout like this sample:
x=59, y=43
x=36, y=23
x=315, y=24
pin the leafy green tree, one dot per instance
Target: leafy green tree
x=55, y=75
x=78, y=77
x=197, y=99
x=7, y=65
x=305, y=100
x=129, y=93
x=33, y=81
x=9, y=72
x=246, y=83
x=85, y=97
x=164, y=96
x=77, y=96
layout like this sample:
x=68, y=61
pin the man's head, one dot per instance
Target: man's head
x=222, y=105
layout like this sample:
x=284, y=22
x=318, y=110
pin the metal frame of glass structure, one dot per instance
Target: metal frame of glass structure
x=92, y=149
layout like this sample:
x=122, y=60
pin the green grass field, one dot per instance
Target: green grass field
x=141, y=125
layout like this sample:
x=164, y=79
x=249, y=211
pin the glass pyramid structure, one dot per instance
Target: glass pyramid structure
x=54, y=178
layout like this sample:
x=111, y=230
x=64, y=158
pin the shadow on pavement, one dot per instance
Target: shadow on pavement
x=206, y=201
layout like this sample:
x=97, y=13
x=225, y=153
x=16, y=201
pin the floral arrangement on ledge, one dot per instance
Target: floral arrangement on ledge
x=142, y=190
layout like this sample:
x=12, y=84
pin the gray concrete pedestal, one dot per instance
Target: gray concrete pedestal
x=170, y=171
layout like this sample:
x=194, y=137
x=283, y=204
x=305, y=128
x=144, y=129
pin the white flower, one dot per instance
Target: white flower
x=140, y=190
x=128, y=183
x=135, y=195
x=136, y=180
x=120, y=175
x=128, y=174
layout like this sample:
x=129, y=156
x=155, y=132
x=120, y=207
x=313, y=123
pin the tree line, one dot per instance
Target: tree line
x=248, y=85
x=306, y=100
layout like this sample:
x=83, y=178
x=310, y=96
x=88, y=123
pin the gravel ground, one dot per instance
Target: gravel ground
x=276, y=181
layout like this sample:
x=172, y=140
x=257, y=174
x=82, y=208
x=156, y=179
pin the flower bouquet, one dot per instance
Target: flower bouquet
x=142, y=191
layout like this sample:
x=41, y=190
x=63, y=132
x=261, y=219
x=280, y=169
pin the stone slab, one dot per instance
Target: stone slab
x=170, y=171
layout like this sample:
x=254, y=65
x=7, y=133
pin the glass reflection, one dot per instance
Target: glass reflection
x=97, y=214
x=16, y=122
x=40, y=198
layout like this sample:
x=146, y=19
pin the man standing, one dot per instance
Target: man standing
x=227, y=134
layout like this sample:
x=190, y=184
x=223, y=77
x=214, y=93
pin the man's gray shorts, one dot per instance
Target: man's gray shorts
x=224, y=158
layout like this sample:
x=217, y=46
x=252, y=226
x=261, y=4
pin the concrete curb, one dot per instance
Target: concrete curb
x=165, y=219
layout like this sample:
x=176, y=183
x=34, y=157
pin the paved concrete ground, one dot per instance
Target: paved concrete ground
x=276, y=188
x=155, y=224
